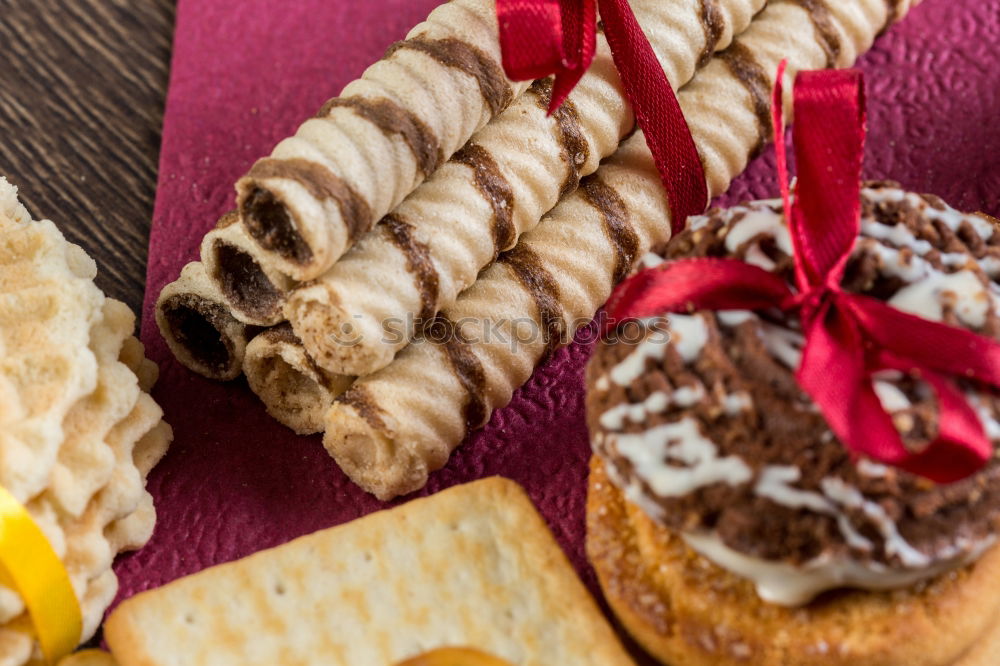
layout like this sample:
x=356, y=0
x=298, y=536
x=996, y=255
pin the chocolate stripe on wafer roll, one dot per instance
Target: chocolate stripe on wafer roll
x=582, y=244
x=253, y=289
x=374, y=144
x=199, y=329
x=494, y=189
x=295, y=391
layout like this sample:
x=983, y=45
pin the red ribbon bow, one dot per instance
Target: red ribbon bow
x=848, y=336
x=543, y=37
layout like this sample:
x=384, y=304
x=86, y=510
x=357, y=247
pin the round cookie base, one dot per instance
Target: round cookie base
x=685, y=610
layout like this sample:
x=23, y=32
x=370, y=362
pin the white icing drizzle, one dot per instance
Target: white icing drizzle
x=651, y=260
x=949, y=216
x=733, y=318
x=898, y=235
x=756, y=257
x=891, y=396
x=990, y=266
x=688, y=335
x=872, y=469
x=653, y=452
x=775, y=482
x=756, y=222
x=655, y=403
x=785, y=344
x=633, y=365
x=734, y=403
x=991, y=426
x=895, y=544
x=789, y=585
x=962, y=290
x=696, y=222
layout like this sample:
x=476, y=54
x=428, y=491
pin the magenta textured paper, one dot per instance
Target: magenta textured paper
x=246, y=72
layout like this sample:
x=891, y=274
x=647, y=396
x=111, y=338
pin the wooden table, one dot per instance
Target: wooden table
x=82, y=85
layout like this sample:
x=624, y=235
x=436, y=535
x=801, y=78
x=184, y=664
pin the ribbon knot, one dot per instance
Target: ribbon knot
x=849, y=337
x=539, y=38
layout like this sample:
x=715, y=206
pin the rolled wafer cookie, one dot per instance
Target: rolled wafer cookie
x=495, y=188
x=193, y=318
x=367, y=149
x=296, y=391
x=395, y=426
x=253, y=289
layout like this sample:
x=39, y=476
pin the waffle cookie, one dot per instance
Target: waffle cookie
x=79, y=432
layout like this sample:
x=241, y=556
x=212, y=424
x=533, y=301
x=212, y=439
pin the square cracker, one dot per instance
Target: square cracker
x=472, y=566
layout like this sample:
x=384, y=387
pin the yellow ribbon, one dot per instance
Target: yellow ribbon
x=40, y=578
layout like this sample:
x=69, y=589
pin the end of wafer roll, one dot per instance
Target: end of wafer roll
x=386, y=433
x=252, y=287
x=369, y=453
x=295, y=391
x=198, y=328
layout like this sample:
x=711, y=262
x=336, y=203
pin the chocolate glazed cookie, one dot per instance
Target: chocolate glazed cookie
x=722, y=469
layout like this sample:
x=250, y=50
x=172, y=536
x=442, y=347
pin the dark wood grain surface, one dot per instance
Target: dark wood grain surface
x=82, y=85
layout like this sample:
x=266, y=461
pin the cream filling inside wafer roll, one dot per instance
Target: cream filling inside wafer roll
x=495, y=188
x=199, y=329
x=294, y=389
x=395, y=426
x=369, y=148
x=245, y=275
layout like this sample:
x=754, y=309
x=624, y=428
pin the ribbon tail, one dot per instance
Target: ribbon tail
x=855, y=413
x=579, y=27
x=657, y=112
x=846, y=397
x=947, y=349
x=961, y=447
x=696, y=284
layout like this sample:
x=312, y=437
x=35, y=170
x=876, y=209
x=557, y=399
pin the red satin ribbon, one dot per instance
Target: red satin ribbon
x=848, y=336
x=543, y=37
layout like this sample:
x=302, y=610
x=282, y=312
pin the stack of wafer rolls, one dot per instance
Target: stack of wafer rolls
x=396, y=425
x=471, y=209
x=497, y=187
x=302, y=207
x=78, y=429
